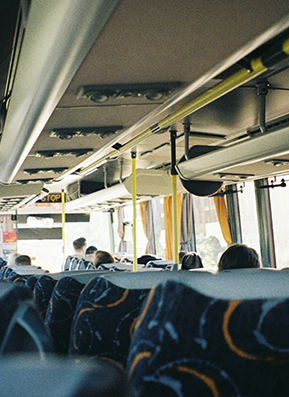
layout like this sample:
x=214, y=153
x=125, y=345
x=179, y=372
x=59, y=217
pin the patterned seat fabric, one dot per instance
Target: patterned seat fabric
x=60, y=311
x=104, y=320
x=5, y=271
x=31, y=281
x=189, y=344
x=42, y=292
x=16, y=278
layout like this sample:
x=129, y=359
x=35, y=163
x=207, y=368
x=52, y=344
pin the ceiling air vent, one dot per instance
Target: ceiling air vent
x=150, y=91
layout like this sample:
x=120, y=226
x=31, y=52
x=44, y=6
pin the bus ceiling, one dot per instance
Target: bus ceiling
x=98, y=79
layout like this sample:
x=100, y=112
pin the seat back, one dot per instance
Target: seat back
x=21, y=327
x=62, y=305
x=104, y=320
x=42, y=292
x=212, y=340
x=60, y=311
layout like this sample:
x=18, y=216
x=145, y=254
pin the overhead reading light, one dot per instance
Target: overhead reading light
x=48, y=154
x=33, y=171
x=277, y=162
x=150, y=91
x=101, y=132
x=232, y=176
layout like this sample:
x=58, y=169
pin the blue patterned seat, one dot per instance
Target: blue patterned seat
x=187, y=343
x=60, y=311
x=42, y=292
x=21, y=327
x=104, y=319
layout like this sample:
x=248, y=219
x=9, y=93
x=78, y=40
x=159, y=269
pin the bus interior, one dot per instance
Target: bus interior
x=108, y=105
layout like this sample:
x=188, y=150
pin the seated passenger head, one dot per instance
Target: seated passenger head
x=90, y=250
x=238, y=256
x=23, y=260
x=101, y=257
x=181, y=255
x=191, y=261
x=79, y=245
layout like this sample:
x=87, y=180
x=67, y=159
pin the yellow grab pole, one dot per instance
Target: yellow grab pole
x=63, y=222
x=133, y=164
x=175, y=221
x=173, y=134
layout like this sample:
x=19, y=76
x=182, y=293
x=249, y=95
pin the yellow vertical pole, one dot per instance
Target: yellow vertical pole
x=133, y=164
x=173, y=133
x=175, y=220
x=63, y=222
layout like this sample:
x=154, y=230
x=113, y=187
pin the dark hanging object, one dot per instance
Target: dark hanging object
x=200, y=188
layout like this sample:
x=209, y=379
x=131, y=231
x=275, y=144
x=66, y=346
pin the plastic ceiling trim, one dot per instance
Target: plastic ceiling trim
x=58, y=36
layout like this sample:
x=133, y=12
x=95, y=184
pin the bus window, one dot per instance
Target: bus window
x=159, y=227
x=248, y=215
x=209, y=238
x=279, y=198
x=49, y=253
x=127, y=231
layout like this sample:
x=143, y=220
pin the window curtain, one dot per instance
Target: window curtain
x=120, y=229
x=147, y=222
x=187, y=223
x=223, y=218
x=168, y=221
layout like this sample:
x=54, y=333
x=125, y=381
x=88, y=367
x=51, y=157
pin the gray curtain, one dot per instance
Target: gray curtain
x=149, y=232
x=187, y=239
x=120, y=229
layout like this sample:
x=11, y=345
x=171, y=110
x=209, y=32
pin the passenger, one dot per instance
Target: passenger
x=79, y=246
x=191, y=260
x=181, y=255
x=238, y=256
x=101, y=257
x=89, y=253
x=23, y=260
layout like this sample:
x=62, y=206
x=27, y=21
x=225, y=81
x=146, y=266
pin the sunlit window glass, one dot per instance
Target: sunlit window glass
x=248, y=214
x=209, y=238
x=279, y=197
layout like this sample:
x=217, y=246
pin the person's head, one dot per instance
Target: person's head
x=101, y=257
x=23, y=260
x=79, y=245
x=192, y=260
x=181, y=255
x=90, y=250
x=238, y=256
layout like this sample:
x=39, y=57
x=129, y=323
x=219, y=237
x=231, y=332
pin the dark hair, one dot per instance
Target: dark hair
x=181, y=255
x=191, y=261
x=79, y=243
x=238, y=256
x=23, y=260
x=90, y=250
x=102, y=257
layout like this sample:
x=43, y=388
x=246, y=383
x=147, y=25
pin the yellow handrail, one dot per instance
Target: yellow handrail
x=175, y=220
x=133, y=166
x=63, y=221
